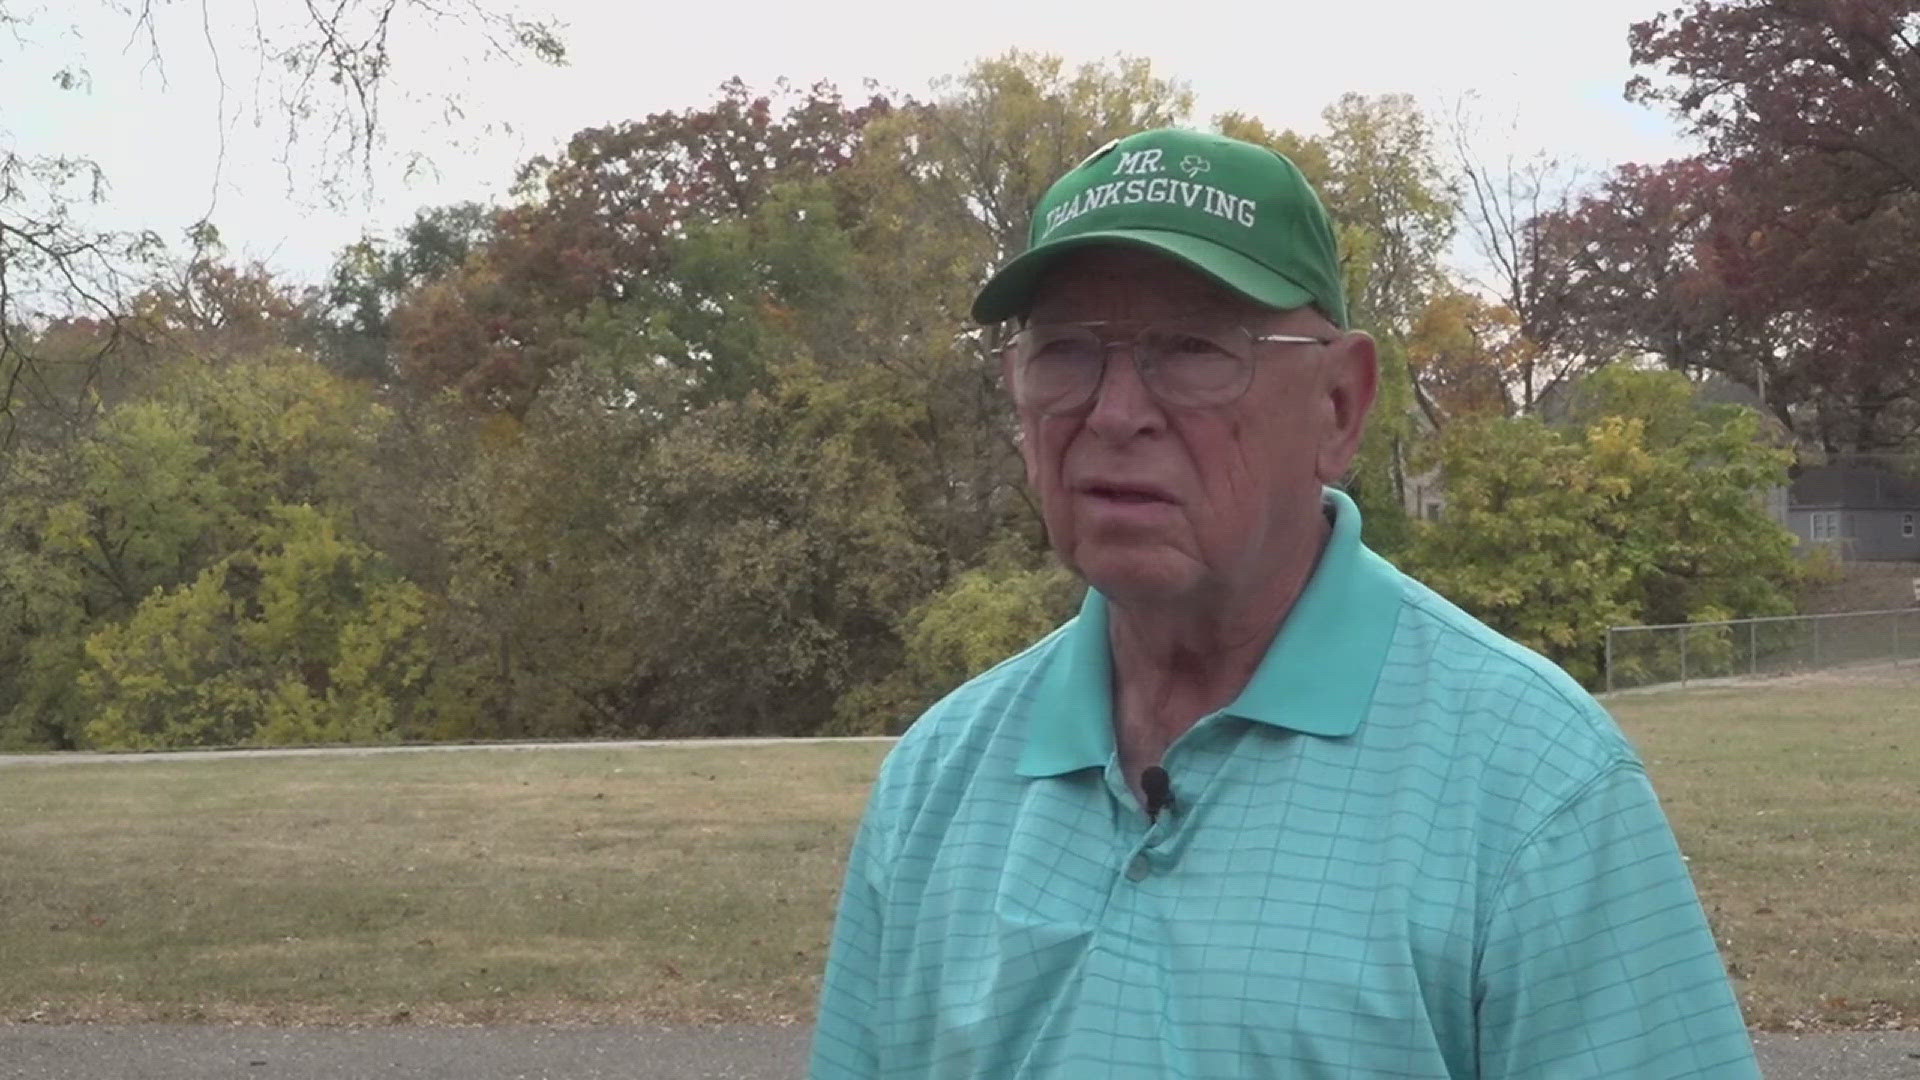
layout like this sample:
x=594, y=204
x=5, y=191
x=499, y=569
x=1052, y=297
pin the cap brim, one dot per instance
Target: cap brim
x=1006, y=293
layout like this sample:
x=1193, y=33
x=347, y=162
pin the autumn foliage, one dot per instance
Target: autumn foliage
x=693, y=436
x=1810, y=112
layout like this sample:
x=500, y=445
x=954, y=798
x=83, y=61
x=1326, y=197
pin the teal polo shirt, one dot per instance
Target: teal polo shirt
x=1410, y=848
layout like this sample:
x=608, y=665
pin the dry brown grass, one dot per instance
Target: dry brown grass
x=527, y=885
x=1798, y=805
x=698, y=883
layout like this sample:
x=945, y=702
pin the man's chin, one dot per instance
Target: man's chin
x=1139, y=576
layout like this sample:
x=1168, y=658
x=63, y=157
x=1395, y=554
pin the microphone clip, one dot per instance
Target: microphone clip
x=1158, y=788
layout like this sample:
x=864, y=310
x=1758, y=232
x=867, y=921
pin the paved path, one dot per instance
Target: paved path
x=177, y=1052
x=733, y=1052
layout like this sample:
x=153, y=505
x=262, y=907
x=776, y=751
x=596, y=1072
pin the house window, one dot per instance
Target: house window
x=1906, y=525
x=1817, y=525
x=1433, y=514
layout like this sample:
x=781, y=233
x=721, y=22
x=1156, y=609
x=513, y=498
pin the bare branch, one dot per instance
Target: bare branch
x=220, y=108
x=53, y=268
x=143, y=24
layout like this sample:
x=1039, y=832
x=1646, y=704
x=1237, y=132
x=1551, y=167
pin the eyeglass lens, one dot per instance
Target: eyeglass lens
x=1058, y=368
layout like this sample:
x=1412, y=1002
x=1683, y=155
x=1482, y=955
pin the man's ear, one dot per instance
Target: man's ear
x=1350, y=380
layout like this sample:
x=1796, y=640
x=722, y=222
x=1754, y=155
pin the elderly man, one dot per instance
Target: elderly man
x=1267, y=807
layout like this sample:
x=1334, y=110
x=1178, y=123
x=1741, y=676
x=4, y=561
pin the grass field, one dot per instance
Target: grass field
x=682, y=884
x=1797, y=803
x=697, y=883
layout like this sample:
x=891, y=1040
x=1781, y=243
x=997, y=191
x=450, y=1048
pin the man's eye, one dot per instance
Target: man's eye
x=1191, y=345
x=1064, y=348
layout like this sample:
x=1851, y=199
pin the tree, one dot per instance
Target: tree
x=330, y=64
x=181, y=472
x=1811, y=111
x=601, y=224
x=1469, y=357
x=812, y=557
x=1831, y=290
x=1819, y=77
x=1634, y=269
x=1531, y=540
x=984, y=616
x=301, y=637
x=1643, y=507
x=738, y=568
x=1509, y=209
x=54, y=272
x=1388, y=191
x=370, y=278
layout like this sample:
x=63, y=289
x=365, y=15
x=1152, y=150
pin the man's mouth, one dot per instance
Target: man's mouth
x=1125, y=493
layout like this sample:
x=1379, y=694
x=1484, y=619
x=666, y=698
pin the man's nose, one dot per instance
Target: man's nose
x=1123, y=407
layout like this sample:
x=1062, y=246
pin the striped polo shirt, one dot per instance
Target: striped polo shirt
x=1410, y=848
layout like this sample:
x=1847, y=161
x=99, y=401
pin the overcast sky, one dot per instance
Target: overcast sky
x=1544, y=76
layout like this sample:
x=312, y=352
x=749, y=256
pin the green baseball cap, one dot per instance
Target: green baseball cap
x=1239, y=213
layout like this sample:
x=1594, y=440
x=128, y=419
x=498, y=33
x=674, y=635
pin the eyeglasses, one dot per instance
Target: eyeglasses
x=1058, y=367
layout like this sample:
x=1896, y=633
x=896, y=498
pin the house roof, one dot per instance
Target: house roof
x=1854, y=487
x=1717, y=389
x=1559, y=401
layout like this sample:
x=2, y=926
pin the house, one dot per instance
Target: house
x=1422, y=494
x=1865, y=512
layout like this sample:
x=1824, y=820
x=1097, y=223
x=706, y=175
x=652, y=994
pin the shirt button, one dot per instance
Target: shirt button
x=1137, y=868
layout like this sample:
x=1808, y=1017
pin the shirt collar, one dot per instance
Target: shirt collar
x=1317, y=678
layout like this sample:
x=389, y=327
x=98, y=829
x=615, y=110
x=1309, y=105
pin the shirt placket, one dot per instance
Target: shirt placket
x=1130, y=947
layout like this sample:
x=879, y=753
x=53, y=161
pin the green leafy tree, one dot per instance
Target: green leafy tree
x=1386, y=183
x=810, y=554
x=302, y=637
x=736, y=568
x=984, y=616
x=1643, y=507
x=179, y=475
x=537, y=633
x=92, y=530
x=1718, y=554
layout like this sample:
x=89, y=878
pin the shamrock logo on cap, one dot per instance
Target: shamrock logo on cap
x=1193, y=165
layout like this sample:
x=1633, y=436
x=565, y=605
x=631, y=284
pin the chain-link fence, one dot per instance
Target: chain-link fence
x=1687, y=652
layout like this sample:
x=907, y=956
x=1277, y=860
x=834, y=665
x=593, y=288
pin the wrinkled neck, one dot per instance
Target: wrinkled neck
x=1173, y=664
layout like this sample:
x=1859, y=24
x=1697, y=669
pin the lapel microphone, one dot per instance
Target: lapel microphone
x=1158, y=788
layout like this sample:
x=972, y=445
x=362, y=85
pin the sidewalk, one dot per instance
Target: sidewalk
x=729, y=1052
